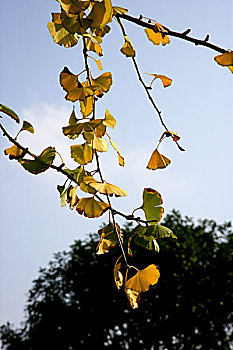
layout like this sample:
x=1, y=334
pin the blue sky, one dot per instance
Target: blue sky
x=198, y=106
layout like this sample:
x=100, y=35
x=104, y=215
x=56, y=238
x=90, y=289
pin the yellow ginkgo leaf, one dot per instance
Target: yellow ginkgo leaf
x=156, y=37
x=157, y=161
x=118, y=277
x=143, y=279
x=165, y=80
x=120, y=157
x=60, y=35
x=72, y=197
x=108, y=189
x=225, y=59
x=86, y=106
x=104, y=81
x=101, y=14
x=109, y=120
x=128, y=49
x=104, y=246
x=99, y=144
x=82, y=154
x=95, y=47
x=75, y=90
x=15, y=152
x=133, y=297
x=91, y=208
x=74, y=6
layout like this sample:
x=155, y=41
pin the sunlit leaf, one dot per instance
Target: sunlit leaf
x=120, y=157
x=128, y=49
x=95, y=47
x=74, y=6
x=91, y=208
x=82, y=154
x=151, y=205
x=119, y=10
x=14, y=152
x=165, y=80
x=27, y=126
x=9, y=112
x=109, y=238
x=160, y=231
x=75, y=90
x=225, y=59
x=133, y=297
x=100, y=130
x=84, y=186
x=99, y=144
x=41, y=163
x=143, y=279
x=63, y=194
x=101, y=13
x=108, y=189
x=156, y=37
x=72, y=197
x=104, y=81
x=86, y=106
x=109, y=120
x=157, y=161
x=60, y=35
x=76, y=129
x=118, y=277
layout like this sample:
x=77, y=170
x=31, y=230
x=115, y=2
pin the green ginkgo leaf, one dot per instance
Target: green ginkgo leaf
x=28, y=127
x=82, y=154
x=41, y=163
x=9, y=112
x=152, y=201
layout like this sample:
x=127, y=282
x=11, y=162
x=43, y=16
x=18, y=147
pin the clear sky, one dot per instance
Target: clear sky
x=198, y=105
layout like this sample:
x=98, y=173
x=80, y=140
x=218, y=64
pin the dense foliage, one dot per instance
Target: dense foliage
x=74, y=304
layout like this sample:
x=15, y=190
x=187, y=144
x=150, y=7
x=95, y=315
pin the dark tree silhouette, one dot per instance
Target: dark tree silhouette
x=74, y=303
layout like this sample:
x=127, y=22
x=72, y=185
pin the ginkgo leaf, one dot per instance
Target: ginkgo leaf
x=63, y=194
x=74, y=24
x=118, y=277
x=82, y=154
x=95, y=47
x=76, y=129
x=120, y=157
x=151, y=205
x=14, y=152
x=109, y=120
x=157, y=161
x=41, y=163
x=74, y=6
x=102, y=31
x=61, y=36
x=91, y=208
x=143, y=279
x=28, y=127
x=128, y=49
x=72, y=197
x=133, y=297
x=101, y=14
x=84, y=186
x=108, y=189
x=109, y=238
x=100, y=130
x=165, y=80
x=156, y=37
x=119, y=10
x=86, y=106
x=9, y=112
x=225, y=59
x=104, y=81
x=160, y=231
x=99, y=65
x=75, y=90
x=99, y=144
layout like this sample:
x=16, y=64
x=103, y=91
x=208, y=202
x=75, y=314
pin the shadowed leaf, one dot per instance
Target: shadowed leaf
x=9, y=112
x=91, y=208
x=41, y=163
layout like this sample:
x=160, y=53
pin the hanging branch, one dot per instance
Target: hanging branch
x=147, y=88
x=184, y=35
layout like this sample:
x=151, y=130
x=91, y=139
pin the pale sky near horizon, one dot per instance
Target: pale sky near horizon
x=198, y=105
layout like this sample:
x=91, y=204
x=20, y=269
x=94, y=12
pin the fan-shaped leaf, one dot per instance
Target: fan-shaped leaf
x=151, y=205
x=133, y=297
x=109, y=238
x=91, y=208
x=157, y=161
x=74, y=6
x=108, y=189
x=109, y=120
x=157, y=37
x=128, y=49
x=82, y=154
x=41, y=163
x=14, y=152
x=101, y=14
x=99, y=144
x=9, y=112
x=165, y=80
x=60, y=35
x=143, y=279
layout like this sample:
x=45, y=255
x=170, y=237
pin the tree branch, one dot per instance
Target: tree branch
x=175, y=34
